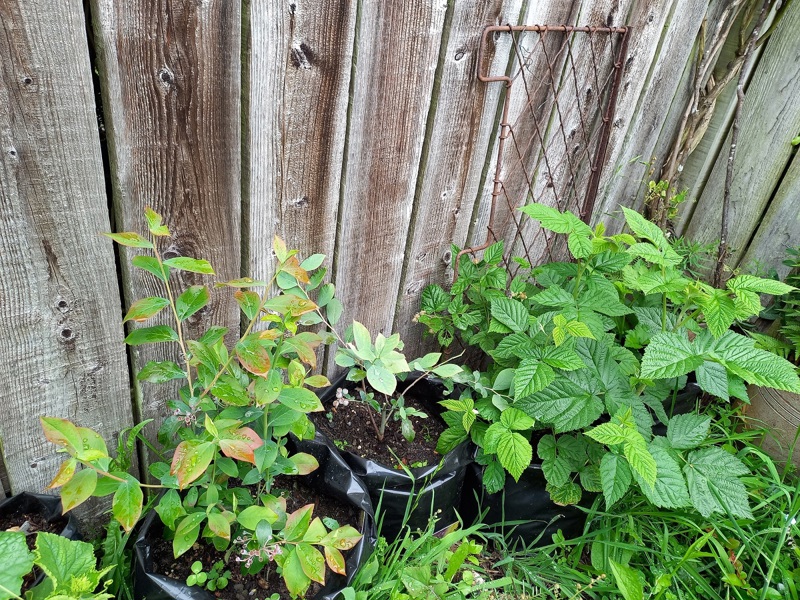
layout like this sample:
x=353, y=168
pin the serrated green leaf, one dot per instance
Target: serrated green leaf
x=759, y=285
x=515, y=419
x=669, y=490
x=63, y=559
x=713, y=485
x=565, y=495
x=652, y=254
x=494, y=253
x=532, y=376
x=494, y=477
x=193, y=265
x=641, y=461
x=554, y=295
x=609, y=434
x=669, y=355
x=556, y=471
x=719, y=311
x=563, y=404
x=712, y=378
x=687, y=431
x=515, y=453
x=739, y=355
x=628, y=580
x=151, y=335
x=548, y=217
x=645, y=229
x=579, y=245
x=511, y=313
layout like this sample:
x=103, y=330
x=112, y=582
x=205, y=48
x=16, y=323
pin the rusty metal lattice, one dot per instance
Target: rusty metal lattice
x=560, y=95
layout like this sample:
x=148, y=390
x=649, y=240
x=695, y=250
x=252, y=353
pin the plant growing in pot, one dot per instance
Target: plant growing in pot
x=375, y=419
x=771, y=406
x=227, y=433
x=590, y=350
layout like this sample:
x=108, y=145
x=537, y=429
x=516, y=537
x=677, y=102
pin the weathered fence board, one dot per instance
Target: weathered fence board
x=770, y=119
x=396, y=56
x=300, y=57
x=171, y=89
x=659, y=80
x=454, y=159
x=61, y=351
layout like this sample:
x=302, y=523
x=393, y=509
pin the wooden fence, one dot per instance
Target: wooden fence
x=353, y=128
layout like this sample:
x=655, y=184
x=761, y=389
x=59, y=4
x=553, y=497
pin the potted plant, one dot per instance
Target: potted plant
x=586, y=354
x=228, y=430
x=372, y=409
x=778, y=408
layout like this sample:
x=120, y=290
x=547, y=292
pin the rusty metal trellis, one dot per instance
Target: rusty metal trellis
x=552, y=142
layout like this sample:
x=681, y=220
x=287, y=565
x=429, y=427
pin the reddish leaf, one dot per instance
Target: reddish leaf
x=293, y=268
x=335, y=560
x=289, y=304
x=190, y=461
x=249, y=302
x=343, y=538
x=143, y=309
x=62, y=433
x=297, y=523
x=304, y=351
x=253, y=356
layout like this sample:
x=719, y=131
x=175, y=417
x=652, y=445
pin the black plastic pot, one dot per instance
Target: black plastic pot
x=430, y=491
x=332, y=478
x=49, y=507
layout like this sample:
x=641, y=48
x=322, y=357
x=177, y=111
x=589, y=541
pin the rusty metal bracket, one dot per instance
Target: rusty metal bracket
x=571, y=77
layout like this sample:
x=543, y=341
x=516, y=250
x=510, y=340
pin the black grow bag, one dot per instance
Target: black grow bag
x=47, y=506
x=333, y=477
x=433, y=490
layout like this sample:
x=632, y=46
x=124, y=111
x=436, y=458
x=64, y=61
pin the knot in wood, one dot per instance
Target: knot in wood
x=166, y=77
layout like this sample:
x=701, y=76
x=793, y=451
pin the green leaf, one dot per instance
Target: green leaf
x=494, y=253
x=78, y=489
x=191, y=460
x=669, y=490
x=160, y=372
x=190, y=301
x=170, y=508
x=446, y=371
x=145, y=308
x=251, y=516
x=62, y=432
x=554, y=296
x=511, y=313
x=151, y=335
x=713, y=485
x=312, y=562
x=579, y=245
x=515, y=419
x=129, y=238
x=653, y=255
x=645, y=229
x=381, y=379
x=669, y=355
x=712, y=378
x=186, y=533
x=297, y=582
x=494, y=477
x=63, y=559
x=532, y=376
x=758, y=285
x=556, y=470
x=151, y=265
x=629, y=581
x=300, y=399
x=564, y=495
x=515, y=453
x=615, y=477
x=193, y=265
x=297, y=523
x=17, y=562
x=434, y=299
x=563, y=404
x=253, y=356
x=126, y=505
x=739, y=355
x=550, y=218
x=609, y=434
x=719, y=311
x=219, y=525
x=687, y=431
x=326, y=293
x=312, y=262
x=641, y=461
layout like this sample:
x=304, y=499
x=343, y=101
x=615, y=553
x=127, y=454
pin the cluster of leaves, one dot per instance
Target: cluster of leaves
x=381, y=364
x=427, y=565
x=611, y=335
x=70, y=567
x=789, y=309
x=216, y=578
x=234, y=410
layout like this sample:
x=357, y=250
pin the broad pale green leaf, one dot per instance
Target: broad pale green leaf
x=151, y=335
x=130, y=238
x=160, y=372
x=758, y=285
x=78, y=489
x=656, y=282
x=645, y=229
x=556, y=471
x=313, y=262
x=326, y=293
x=652, y=254
x=641, y=461
x=342, y=538
x=719, y=311
x=760, y=367
x=219, y=525
x=190, y=301
x=609, y=434
x=251, y=516
x=494, y=477
x=381, y=379
x=297, y=523
x=186, y=533
x=669, y=355
x=550, y=218
x=145, y=308
x=312, y=562
x=511, y=313
x=515, y=453
x=628, y=580
x=532, y=376
x=563, y=404
x=62, y=432
x=334, y=310
x=494, y=253
x=63, y=559
x=670, y=489
x=687, y=431
x=615, y=477
x=515, y=419
x=297, y=582
x=554, y=296
x=193, y=265
x=17, y=562
x=713, y=485
x=712, y=378
x=151, y=265
x=126, y=506
x=446, y=371
x=579, y=245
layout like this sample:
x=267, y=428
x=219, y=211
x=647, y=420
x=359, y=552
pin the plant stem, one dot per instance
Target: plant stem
x=100, y=471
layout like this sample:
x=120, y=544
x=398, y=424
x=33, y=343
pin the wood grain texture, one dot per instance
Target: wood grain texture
x=780, y=227
x=300, y=58
x=657, y=75
x=780, y=411
x=61, y=351
x=454, y=161
x=770, y=119
x=397, y=50
x=171, y=87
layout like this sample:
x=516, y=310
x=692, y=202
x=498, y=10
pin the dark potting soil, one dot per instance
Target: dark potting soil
x=350, y=429
x=36, y=523
x=267, y=582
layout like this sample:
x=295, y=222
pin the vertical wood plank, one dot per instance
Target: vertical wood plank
x=455, y=159
x=300, y=56
x=171, y=88
x=780, y=227
x=61, y=351
x=770, y=119
x=397, y=51
x=660, y=55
